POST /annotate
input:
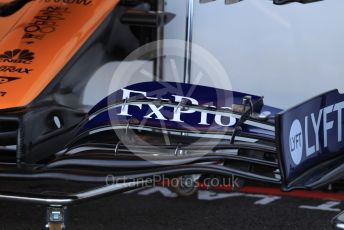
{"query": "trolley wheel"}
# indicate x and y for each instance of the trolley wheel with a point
(56, 217)
(56, 226)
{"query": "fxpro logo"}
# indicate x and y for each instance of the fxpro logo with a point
(314, 134)
(157, 112)
(17, 56)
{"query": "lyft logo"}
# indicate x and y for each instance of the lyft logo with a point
(296, 142)
(314, 136)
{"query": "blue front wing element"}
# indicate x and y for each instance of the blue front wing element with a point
(106, 113)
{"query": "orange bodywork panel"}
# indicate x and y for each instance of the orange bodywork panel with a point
(38, 41)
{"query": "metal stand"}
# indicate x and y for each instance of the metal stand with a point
(159, 62)
(188, 41)
(56, 217)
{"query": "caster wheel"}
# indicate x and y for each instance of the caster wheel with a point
(56, 226)
(56, 218)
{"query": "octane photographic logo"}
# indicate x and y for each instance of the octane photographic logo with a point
(206, 70)
(17, 56)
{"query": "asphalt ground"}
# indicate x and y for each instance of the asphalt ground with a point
(159, 208)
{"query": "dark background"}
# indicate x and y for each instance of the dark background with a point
(133, 211)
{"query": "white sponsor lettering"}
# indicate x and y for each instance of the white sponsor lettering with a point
(327, 125)
(323, 120)
(338, 108)
(126, 95)
(231, 122)
(179, 112)
(156, 112)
